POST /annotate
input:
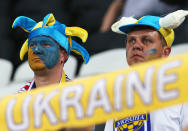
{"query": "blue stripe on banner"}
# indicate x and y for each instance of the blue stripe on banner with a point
(113, 125)
(33, 86)
(148, 123)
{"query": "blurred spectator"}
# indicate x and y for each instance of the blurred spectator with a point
(135, 8)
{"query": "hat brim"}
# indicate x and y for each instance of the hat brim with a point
(127, 28)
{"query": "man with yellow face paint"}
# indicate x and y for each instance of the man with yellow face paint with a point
(48, 45)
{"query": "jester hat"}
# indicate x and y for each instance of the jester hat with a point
(164, 25)
(54, 29)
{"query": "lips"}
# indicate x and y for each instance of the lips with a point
(36, 59)
(137, 56)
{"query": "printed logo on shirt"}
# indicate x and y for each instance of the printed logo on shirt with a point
(134, 123)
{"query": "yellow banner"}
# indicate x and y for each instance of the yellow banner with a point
(93, 100)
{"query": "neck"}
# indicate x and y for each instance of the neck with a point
(46, 77)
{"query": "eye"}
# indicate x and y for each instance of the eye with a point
(147, 41)
(32, 45)
(45, 45)
(131, 41)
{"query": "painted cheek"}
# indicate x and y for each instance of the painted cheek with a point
(152, 54)
(30, 55)
(51, 56)
(33, 63)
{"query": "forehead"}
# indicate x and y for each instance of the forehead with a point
(144, 32)
(42, 39)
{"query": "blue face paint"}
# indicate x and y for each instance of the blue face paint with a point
(152, 54)
(46, 49)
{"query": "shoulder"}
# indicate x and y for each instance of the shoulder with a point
(67, 78)
(26, 87)
(167, 118)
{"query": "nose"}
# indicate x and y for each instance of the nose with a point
(138, 45)
(37, 50)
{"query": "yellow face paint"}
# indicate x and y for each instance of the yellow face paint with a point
(34, 61)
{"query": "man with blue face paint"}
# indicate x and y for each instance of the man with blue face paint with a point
(48, 45)
(147, 39)
(45, 49)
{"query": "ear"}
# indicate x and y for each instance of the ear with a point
(166, 51)
(63, 56)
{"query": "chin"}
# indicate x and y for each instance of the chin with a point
(37, 67)
(136, 62)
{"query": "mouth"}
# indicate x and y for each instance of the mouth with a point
(137, 56)
(36, 59)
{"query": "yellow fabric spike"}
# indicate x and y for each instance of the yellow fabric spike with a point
(38, 25)
(77, 31)
(24, 49)
(51, 20)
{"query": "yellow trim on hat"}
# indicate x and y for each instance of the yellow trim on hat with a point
(50, 21)
(70, 41)
(38, 25)
(24, 48)
(168, 35)
(77, 52)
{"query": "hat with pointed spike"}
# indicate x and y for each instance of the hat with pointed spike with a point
(54, 29)
(164, 25)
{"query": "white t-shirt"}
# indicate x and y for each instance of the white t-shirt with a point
(140, 8)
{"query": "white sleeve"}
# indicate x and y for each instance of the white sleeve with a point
(167, 119)
(109, 125)
(184, 115)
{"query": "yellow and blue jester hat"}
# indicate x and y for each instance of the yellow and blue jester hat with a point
(164, 25)
(54, 29)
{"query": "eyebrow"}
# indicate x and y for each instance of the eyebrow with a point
(135, 36)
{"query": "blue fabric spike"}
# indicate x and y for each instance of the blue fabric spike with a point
(81, 50)
(45, 20)
(60, 27)
(24, 22)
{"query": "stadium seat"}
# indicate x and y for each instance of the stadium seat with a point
(106, 61)
(179, 49)
(11, 88)
(6, 68)
(70, 67)
(23, 73)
